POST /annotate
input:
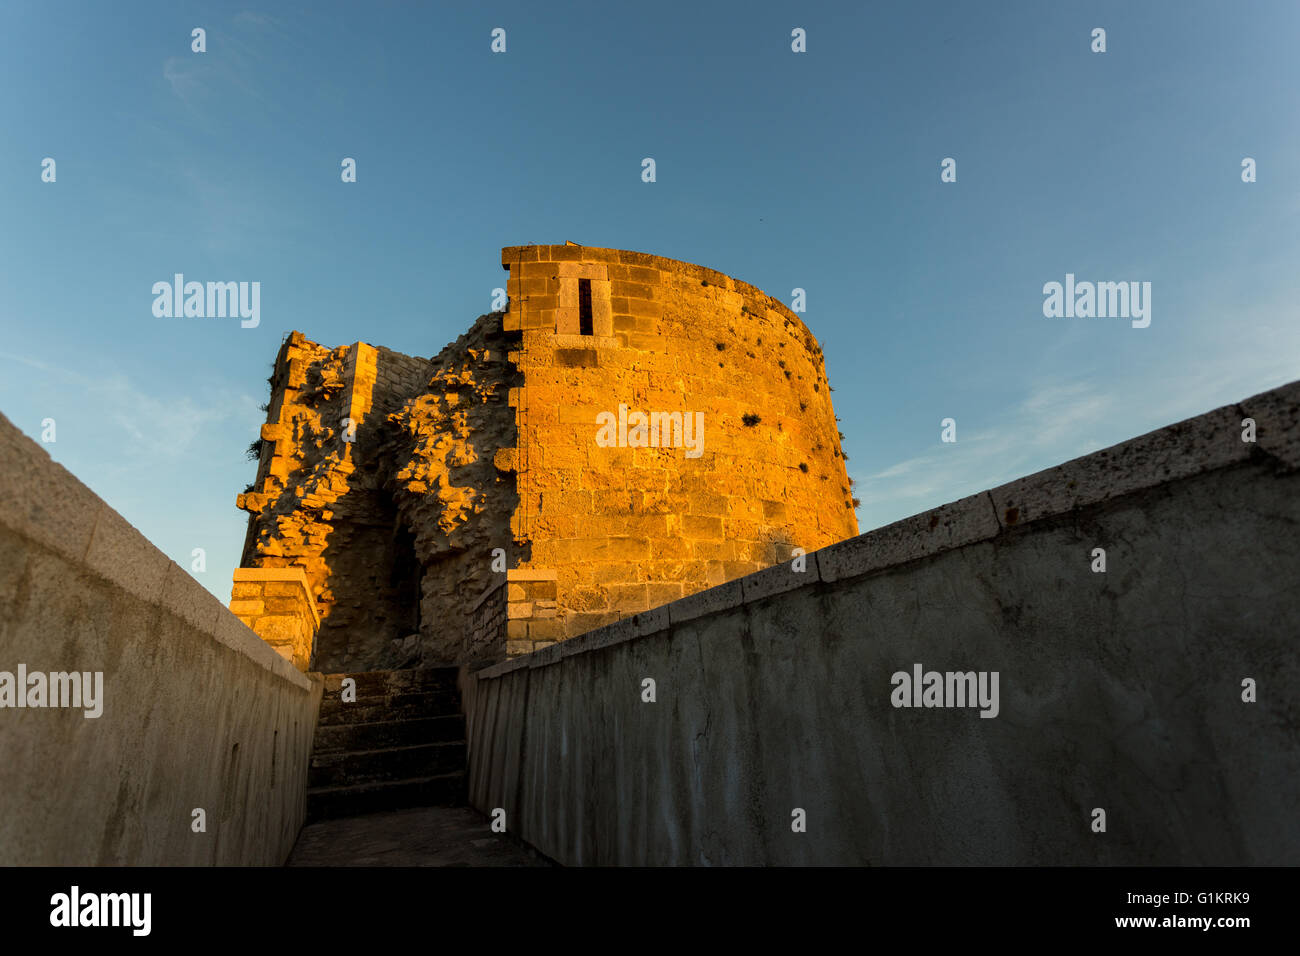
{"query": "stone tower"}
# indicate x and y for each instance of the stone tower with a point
(632, 429)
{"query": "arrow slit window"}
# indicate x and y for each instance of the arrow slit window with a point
(584, 307)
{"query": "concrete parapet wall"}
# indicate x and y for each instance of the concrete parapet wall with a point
(1121, 691)
(197, 712)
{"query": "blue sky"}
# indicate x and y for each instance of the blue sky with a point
(817, 170)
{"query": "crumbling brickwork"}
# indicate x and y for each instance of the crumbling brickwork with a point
(631, 430)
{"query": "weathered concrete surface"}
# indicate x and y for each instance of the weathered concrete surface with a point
(198, 712)
(1119, 690)
(428, 836)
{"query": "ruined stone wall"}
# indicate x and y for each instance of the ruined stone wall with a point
(630, 528)
(449, 489)
(493, 444)
(319, 503)
(376, 478)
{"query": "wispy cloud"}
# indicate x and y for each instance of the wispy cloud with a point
(1045, 424)
(253, 19)
(1236, 351)
(229, 65)
(148, 427)
(187, 77)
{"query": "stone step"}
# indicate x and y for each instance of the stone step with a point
(388, 763)
(339, 738)
(386, 683)
(401, 743)
(440, 790)
(397, 707)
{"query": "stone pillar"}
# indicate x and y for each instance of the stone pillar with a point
(278, 604)
(532, 621)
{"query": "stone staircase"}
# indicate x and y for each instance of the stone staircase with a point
(400, 744)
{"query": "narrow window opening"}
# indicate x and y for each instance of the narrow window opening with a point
(584, 307)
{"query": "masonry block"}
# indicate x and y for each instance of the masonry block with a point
(283, 615)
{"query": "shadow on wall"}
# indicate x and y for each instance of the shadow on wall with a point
(379, 478)
(373, 618)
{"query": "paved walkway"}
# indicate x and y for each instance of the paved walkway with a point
(428, 836)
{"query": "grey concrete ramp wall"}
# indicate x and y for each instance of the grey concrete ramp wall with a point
(1119, 691)
(197, 712)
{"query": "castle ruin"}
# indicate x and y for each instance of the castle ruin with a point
(629, 431)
